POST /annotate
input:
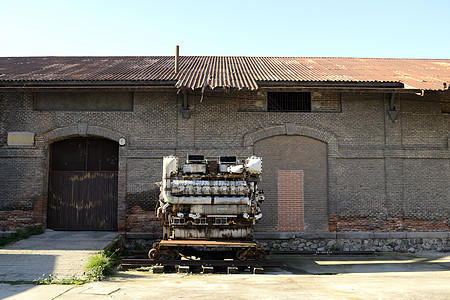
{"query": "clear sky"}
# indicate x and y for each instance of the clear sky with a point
(384, 28)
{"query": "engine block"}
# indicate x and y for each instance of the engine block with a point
(210, 199)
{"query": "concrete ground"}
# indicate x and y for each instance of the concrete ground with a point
(306, 277)
(61, 253)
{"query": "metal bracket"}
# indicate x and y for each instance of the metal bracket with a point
(185, 110)
(392, 112)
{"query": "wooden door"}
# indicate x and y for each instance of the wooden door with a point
(83, 185)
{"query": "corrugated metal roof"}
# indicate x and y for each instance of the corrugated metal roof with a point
(238, 72)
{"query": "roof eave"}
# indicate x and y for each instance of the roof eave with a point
(339, 86)
(332, 84)
(48, 85)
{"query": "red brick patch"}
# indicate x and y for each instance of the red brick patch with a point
(19, 219)
(290, 200)
(140, 220)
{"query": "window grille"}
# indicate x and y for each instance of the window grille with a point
(289, 101)
(84, 154)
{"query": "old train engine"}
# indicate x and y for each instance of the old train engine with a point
(210, 199)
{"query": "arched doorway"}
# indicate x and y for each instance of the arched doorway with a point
(294, 183)
(83, 183)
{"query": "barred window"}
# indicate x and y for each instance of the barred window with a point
(289, 101)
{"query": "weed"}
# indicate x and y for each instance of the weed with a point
(101, 265)
(50, 279)
(45, 279)
(72, 281)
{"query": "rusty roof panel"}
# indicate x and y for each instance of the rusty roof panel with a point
(238, 72)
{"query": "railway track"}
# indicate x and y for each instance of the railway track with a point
(205, 266)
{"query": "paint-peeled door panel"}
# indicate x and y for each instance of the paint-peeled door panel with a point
(83, 200)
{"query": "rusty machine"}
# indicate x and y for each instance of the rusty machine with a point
(209, 204)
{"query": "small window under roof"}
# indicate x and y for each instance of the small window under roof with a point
(289, 101)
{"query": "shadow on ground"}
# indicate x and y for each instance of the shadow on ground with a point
(327, 265)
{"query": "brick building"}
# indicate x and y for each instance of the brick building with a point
(347, 144)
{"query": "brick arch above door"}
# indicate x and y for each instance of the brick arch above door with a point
(292, 129)
(79, 129)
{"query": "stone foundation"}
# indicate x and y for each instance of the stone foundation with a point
(357, 241)
(330, 242)
(140, 241)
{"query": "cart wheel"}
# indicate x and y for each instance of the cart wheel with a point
(242, 254)
(173, 254)
(154, 254)
(260, 255)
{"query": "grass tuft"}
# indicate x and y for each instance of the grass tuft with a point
(101, 265)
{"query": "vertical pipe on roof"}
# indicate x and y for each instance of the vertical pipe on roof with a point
(177, 51)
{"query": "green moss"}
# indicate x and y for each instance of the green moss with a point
(21, 234)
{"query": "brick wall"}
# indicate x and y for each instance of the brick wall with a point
(445, 103)
(326, 102)
(361, 170)
(284, 153)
